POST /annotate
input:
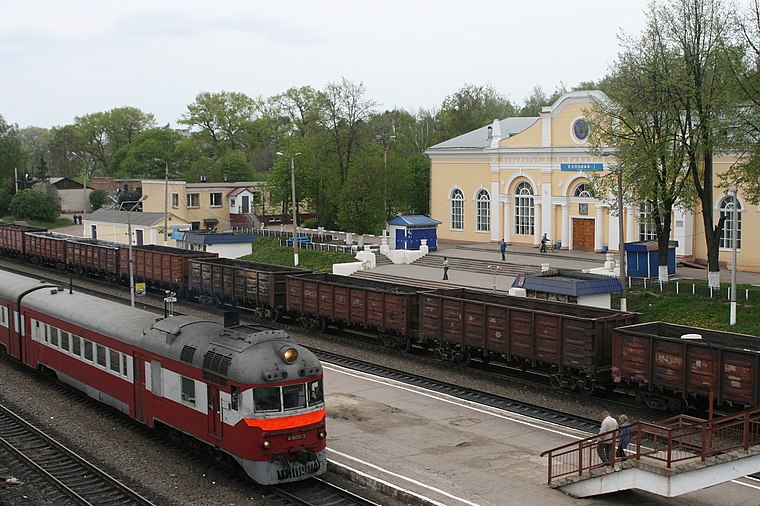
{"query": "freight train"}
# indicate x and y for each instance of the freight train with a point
(246, 390)
(578, 347)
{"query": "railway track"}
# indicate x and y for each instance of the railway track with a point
(316, 492)
(78, 480)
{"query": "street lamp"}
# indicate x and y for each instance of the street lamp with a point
(384, 139)
(698, 337)
(129, 236)
(293, 203)
(84, 179)
(734, 242)
(621, 233)
(166, 199)
(494, 269)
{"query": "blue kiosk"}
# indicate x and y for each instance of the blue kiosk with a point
(642, 259)
(407, 232)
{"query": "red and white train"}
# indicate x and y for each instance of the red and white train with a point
(247, 390)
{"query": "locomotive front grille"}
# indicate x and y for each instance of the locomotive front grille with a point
(298, 470)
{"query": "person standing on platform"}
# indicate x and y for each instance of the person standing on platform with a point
(503, 249)
(604, 448)
(626, 434)
(445, 268)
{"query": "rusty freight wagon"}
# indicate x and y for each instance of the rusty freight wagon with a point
(93, 257)
(46, 248)
(672, 366)
(12, 240)
(250, 284)
(389, 309)
(572, 343)
(161, 267)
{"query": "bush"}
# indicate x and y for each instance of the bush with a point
(98, 198)
(31, 204)
(310, 223)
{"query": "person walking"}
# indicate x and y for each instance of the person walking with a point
(503, 249)
(604, 448)
(626, 434)
(445, 268)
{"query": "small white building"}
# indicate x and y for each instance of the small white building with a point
(226, 245)
(112, 225)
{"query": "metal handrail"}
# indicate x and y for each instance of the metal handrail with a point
(669, 441)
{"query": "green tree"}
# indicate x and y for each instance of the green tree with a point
(472, 107)
(11, 150)
(232, 166)
(141, 157)
(98, 199)
(360, 208)
(31, 204)
(641, 125)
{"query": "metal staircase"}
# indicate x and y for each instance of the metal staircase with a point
(669, 458)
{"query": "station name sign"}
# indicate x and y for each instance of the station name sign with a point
(581, 166)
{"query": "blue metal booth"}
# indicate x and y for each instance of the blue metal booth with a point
(642, 260)
(407, 232)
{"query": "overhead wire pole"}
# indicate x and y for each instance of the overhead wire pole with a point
(129, 238)
(84, 179)
(166, 199)
(734, 245)
(294, 206)
(621, 240)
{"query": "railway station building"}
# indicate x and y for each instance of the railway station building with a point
(521, 178)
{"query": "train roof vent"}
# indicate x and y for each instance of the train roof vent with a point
(216, 362)
(188, 352)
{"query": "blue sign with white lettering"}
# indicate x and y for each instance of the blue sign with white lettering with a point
(581, 166)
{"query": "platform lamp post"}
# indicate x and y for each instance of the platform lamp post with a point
(710, 409)
(166, 199)
(135, 203)
(494, 269)
(293, 204)
(621, 233)
(734, 244)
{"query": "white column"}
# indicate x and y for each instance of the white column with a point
(536, 222)
(630, 231)
(495, 218)
(565, 226)
(614, 233)
(599, 228)
(507, 223)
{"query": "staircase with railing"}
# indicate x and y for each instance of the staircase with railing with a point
(671, 457)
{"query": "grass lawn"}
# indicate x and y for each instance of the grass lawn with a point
(268, 251)
(698, 310)
(59, 222)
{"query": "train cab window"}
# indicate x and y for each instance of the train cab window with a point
(76, 345)
(316, 394)
(53, 333)
(65, 341)
(115, 357)
(266, 399)
(100, 353)
(294, 396)
(87, 350)
(235, 398)
(188, 390)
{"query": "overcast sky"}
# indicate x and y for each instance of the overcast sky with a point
(61, 59)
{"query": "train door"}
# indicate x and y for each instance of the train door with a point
(138, 376)
(214, 412)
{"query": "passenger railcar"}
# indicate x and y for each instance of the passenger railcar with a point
(246, 390)
(670, 367)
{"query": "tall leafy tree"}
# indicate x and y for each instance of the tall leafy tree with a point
(641, 124)
(12, 154)
(361, 207)
(472, 107)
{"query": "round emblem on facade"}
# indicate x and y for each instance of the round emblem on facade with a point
(580, 129)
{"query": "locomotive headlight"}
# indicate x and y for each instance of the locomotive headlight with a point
(266, 443)
(289, 355)
(322, 434)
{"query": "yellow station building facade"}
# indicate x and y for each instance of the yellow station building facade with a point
(519, 178)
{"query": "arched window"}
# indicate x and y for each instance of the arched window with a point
(646, 227)
(727, 210)
(483, 218)
(524, 211)
(457, 209)
(582, 190)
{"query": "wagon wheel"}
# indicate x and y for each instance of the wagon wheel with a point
(555, 380)
(60, 266)
(437, 354)
(274, 315)
(404, 344)
(385, 340)
(306, 322)
(586, 387)
(322, 324)
(78, 270)
(36, 260)
(463, 359)
(678, 405)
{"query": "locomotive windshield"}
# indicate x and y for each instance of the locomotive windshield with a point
(290, 397)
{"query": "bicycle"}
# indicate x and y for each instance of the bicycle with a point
(552, 246)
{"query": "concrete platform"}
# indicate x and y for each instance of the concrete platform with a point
(433, 449)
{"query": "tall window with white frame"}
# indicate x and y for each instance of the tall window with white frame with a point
(646, 227)
(727, 210)
(524, 210)
(483, 215)
(457, 209)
